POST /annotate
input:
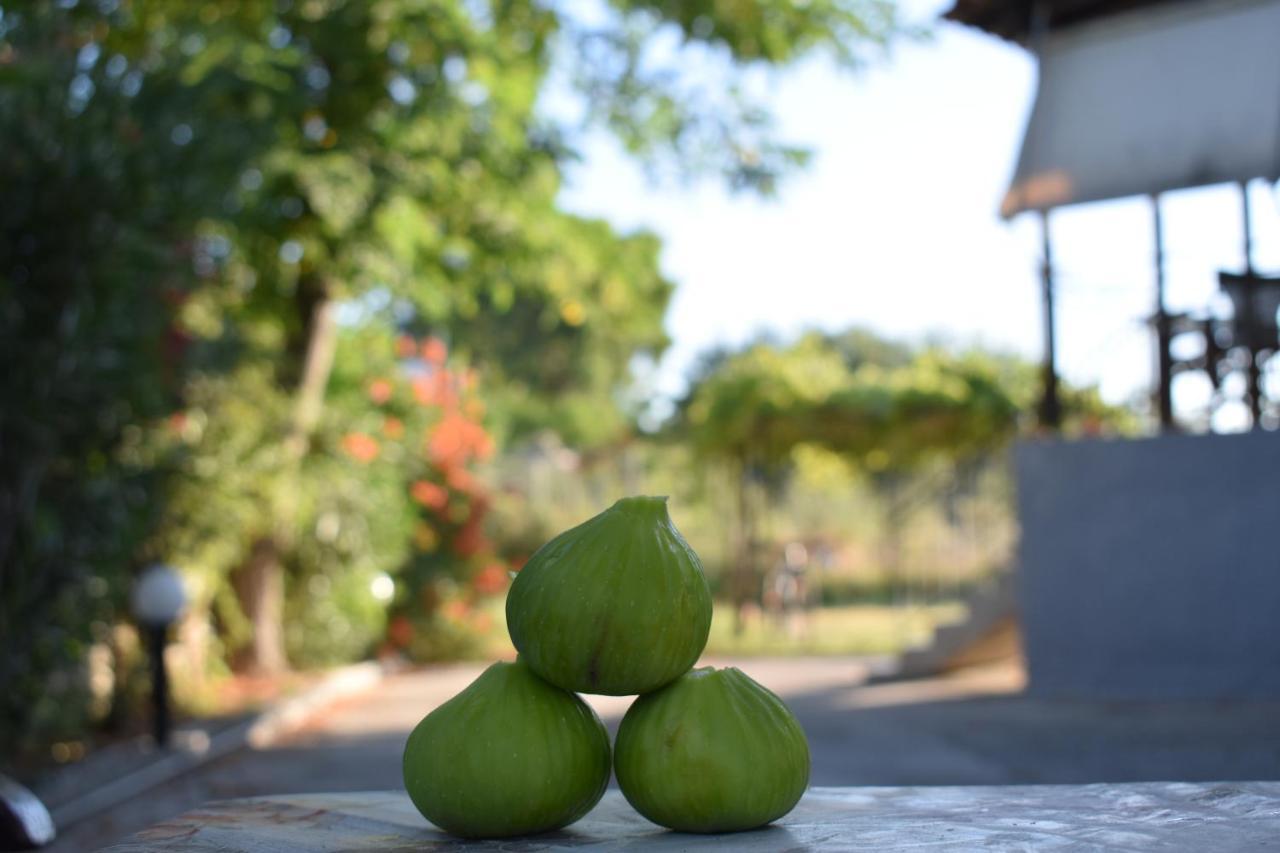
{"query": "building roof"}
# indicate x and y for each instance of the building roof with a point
(1012, 19)
(1152, 100)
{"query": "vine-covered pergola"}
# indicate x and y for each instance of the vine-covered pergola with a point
(758, 405)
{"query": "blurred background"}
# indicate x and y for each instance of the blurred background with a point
(957, 372)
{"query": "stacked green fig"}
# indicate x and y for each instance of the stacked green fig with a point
(618, 605)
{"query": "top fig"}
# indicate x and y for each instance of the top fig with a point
(617, 605)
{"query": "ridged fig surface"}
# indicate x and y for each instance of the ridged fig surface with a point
(617, 605)
(712, 752)
(509, 755)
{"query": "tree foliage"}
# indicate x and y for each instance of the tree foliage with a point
(223, 215)
(96, 243)
(862, 398)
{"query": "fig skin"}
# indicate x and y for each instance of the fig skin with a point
(509, 755)
(617, 605)
(712, 752)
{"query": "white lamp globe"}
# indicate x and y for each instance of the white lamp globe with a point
(159, 595)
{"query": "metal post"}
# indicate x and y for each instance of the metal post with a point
(1248, 228)
(1050, 406)
(1164, 361)
(1248, 323)
(156, 635)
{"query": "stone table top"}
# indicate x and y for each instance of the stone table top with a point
(1218, 816)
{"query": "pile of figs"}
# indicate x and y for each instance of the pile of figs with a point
(618, 605)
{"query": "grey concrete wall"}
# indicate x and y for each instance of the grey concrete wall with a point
(1151, 568)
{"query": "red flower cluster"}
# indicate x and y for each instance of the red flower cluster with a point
(491, 579)
(456, 610)
(429, 495)
(470, 540)
(434, 352)
(460, 479)
(361, 447)
(406, 346)
(436, 388)
(456, 440)
(380, 391)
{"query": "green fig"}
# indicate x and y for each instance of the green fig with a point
(509, 755)
(711, 752)
(617, 605)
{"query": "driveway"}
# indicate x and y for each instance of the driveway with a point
(972, 728)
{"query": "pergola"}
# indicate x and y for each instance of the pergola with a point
(1139, 97)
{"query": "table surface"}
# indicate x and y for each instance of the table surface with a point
(1215, 816)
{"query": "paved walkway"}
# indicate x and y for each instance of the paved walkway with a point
(973, 729)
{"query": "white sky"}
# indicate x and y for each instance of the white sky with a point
(894, 224)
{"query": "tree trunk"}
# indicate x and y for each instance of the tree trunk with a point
(320, 342)
(745, 587)
(889, 486)
(259, 582)
(259, 585)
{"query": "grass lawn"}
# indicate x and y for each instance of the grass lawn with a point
(839, 630)
(847, 629)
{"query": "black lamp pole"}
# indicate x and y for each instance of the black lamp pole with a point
(156, 637)
(159, 598)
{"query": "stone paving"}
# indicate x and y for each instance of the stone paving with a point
(974, 728)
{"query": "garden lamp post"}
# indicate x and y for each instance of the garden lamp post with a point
(159, 598)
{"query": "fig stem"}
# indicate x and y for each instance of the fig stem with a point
(643, 505)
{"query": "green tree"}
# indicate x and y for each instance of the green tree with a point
(411, 161)
(103, 193)
(591, 303)
(199, 191)
(874, 403)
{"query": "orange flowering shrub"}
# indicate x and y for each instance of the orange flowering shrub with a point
(380, 391)
(434, 352)
(491, 580)
(406, 346)
(361, 447)
(429, 494)
(429, 422)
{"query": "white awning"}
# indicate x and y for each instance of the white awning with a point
(1153, 100)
